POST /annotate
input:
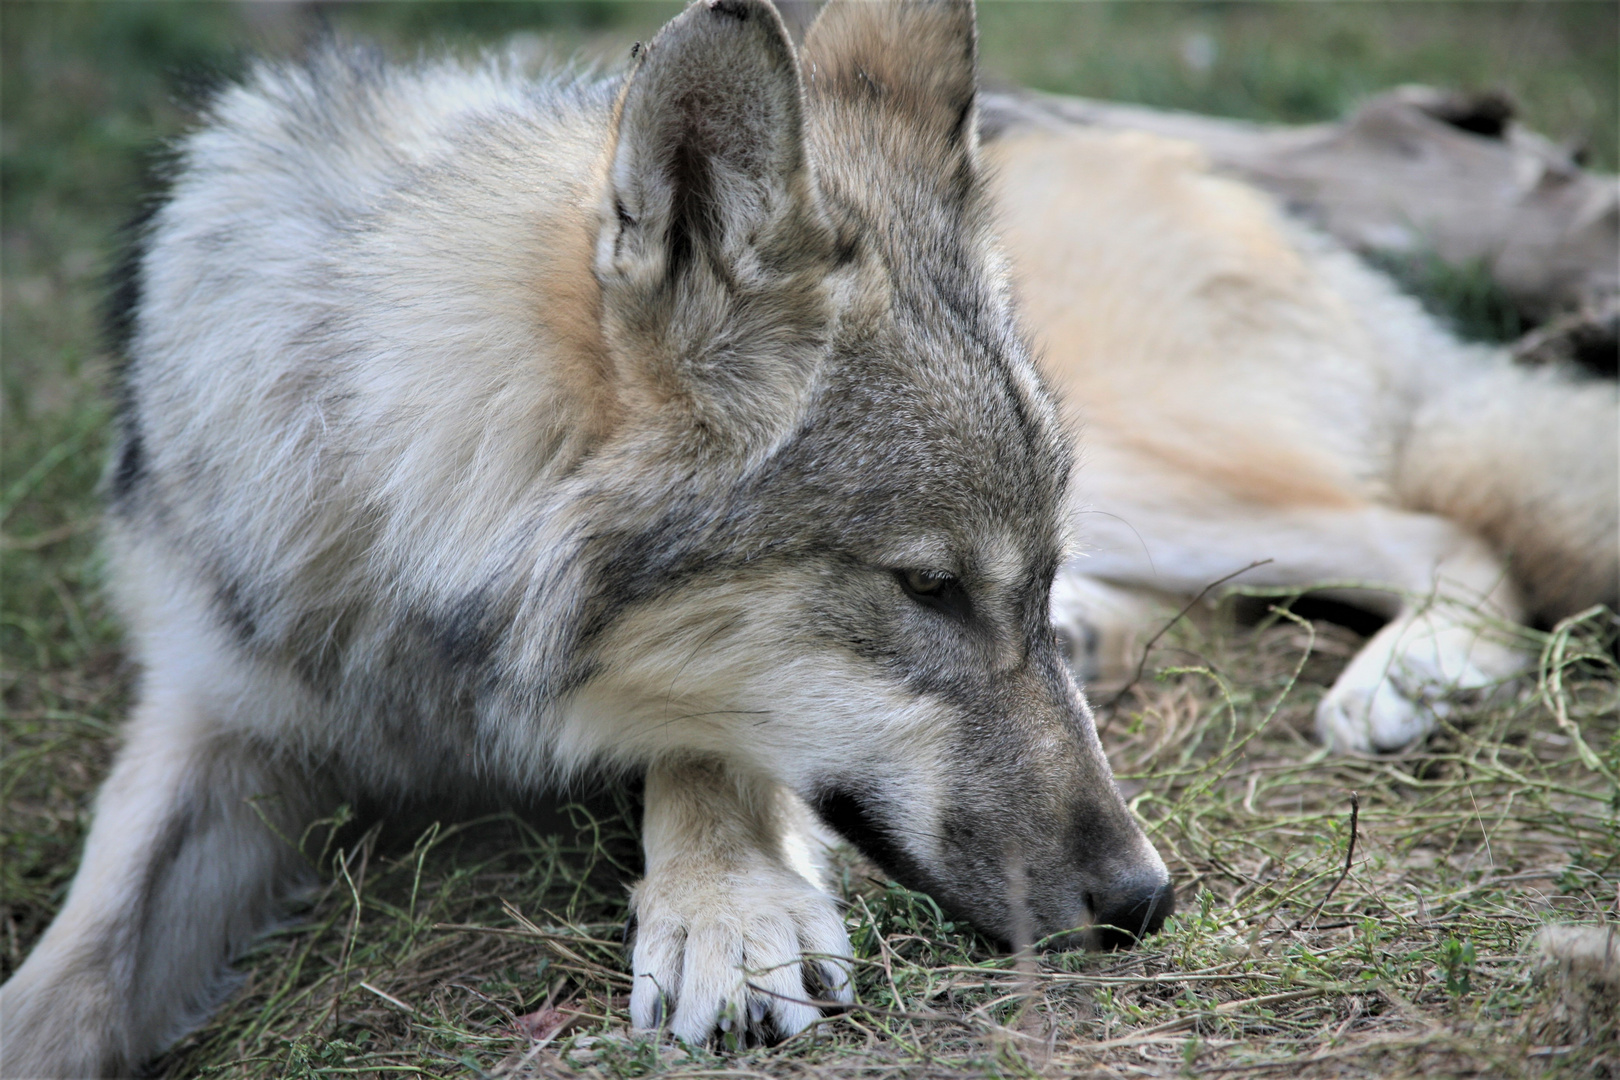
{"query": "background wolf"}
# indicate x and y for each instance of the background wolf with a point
(1250, 392)
(476, 432)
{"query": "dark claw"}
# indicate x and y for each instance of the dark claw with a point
(757, 1028)
(815, 984)
(819, 984)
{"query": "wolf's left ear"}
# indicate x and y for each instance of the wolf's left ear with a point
(918, 57)
(710, 149)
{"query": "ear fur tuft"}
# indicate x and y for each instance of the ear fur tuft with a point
(714, 253)
(917, 56)
(735, 8)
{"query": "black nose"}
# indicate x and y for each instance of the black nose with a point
(1126, 913)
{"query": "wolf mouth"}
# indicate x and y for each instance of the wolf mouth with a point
(848, 810)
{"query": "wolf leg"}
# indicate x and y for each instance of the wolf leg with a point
(1453, 639)
(1448, 594)
(1101, 628)
(182, 866)
(733, 934)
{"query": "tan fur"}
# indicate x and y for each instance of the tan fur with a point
(916, 61)
(1155, 289)
(572, 315)
(1577, 970)
(1246, 390)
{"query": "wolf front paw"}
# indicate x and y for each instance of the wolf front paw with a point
(1360, 719)
(735, 956)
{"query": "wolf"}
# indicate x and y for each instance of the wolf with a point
(1257, 401)
(480, 431)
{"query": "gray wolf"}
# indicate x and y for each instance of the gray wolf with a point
(479, 431)
(1248, 390)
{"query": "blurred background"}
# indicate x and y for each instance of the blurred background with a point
(88, 92)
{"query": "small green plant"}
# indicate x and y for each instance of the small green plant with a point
(310, 1057)
(1466, 297)
(1457, 957)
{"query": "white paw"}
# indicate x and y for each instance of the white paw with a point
(1406, 678)
(1359, 719)
(735, 956)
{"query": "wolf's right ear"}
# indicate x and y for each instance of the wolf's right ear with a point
(710, 151)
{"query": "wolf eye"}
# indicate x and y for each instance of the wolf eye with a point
(932, 589)
(924, 582)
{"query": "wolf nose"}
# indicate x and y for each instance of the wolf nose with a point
(1127, 912)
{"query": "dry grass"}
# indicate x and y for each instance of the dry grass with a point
(444, 949)
(448, 956)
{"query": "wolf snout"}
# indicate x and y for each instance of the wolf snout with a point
(1128, 911)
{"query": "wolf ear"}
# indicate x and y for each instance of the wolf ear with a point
(916, 56)
(710, 144)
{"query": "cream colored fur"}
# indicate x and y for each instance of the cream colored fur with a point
(732, 901)
(1246, 390)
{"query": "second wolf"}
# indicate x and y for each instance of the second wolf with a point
(1251, 393)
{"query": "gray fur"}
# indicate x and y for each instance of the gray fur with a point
(479, 431)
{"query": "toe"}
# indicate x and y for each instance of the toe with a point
(1395, 720)
(711, 996)
(657, 967)
(779, 1005)
(1356, 719)
(1341, 723)
(824, 944)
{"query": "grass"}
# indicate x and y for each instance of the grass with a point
(423, 959)
(434, 947)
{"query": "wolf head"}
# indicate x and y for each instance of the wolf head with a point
(838, 497)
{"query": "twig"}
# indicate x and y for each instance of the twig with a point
(531, 931)
(390, 998)
(1154, 640)
(1552, 688)
(48, 537)
(1227, 1008)
(1349, 855)
(355, 887)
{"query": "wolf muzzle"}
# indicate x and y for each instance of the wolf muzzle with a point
(1128, 911)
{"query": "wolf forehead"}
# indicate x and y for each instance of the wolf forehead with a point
(931, 432)
(918, 451)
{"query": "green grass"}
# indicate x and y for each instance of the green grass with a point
(420, 957)
(425, 941)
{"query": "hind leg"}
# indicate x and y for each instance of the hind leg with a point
(185, 861)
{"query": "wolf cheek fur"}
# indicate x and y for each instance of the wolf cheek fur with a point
(490, 431)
